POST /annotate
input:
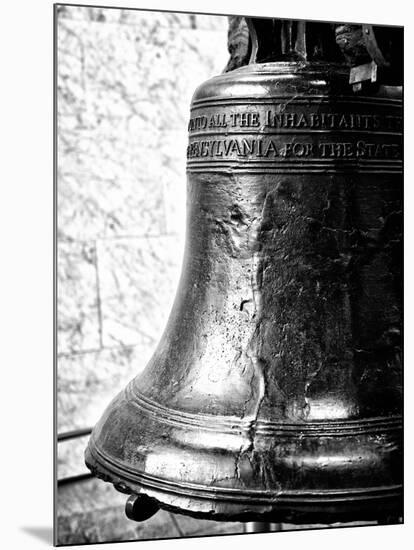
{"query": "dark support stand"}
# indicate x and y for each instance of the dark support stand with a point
(142, 507)
(262, 527)
(390, 520)
(265, 527)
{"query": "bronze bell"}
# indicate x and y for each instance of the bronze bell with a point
(275, 391)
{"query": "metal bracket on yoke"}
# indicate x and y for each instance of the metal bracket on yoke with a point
(363, 73)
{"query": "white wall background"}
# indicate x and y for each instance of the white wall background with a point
(124, 81)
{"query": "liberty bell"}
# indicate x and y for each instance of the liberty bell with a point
(275, 391)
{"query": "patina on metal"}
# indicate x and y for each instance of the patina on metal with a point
(275, 391)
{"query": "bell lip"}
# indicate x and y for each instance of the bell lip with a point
(230, 504)
(224, 84)
(255, 80)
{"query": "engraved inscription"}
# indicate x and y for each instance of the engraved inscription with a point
(278, 118)
(267, 147)
(253, 132)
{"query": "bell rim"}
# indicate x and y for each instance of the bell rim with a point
(198, 498)
(296, 506)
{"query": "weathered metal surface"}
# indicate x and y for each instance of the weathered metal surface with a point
(275, 391)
